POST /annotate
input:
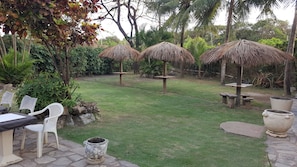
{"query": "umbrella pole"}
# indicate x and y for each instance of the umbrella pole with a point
(164, 76)
(121, 71)
(238, 85)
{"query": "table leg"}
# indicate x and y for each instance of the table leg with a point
(6, 149)
(164, 85)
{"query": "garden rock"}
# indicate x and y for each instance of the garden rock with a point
(83, 113)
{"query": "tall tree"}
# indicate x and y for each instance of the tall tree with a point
(290, 49)
(127, 11)
(181, 13)
(59, 25)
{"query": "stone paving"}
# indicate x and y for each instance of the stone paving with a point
(69, 154)
(282, 152)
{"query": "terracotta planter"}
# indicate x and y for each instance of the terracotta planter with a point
(277, 122)
(281, 103)
(95, 149)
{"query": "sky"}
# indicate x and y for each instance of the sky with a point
(282, 13)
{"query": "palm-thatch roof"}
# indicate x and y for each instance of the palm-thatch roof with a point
(246, 53)
(120, 52)
(167, 52)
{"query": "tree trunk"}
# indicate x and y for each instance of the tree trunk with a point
(182, 45)
(228, 27)
(288, 67)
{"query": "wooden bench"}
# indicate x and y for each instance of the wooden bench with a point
(247, 101)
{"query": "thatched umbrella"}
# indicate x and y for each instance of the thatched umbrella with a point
(245, 53)
(167, 52)
(120, 53)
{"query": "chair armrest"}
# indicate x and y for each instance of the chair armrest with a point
(37, 112)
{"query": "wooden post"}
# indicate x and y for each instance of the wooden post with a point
(164, 76)
(121, 70)
(238, 85)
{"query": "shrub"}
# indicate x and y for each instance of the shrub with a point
(150, 68)
(47, 87)
(15, 67)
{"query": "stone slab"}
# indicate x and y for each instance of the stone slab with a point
(242, 128)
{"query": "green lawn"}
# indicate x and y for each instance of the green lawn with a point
(176, 129)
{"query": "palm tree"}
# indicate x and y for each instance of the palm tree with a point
(181, 11)
(290, 49)
(203, 11)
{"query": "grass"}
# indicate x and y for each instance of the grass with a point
(176, 129)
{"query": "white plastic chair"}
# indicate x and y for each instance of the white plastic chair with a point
(49, 125)
(7, 99)
(28, 103)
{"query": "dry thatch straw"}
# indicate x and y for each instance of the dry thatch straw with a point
(120, 52)
(167, 52)
(246, 53)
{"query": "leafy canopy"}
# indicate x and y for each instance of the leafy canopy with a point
(56, 22)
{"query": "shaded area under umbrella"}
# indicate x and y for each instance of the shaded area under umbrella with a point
(167, 52)
(120, 53)
(245, 53)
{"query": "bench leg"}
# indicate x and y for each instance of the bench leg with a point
(224, 99)
(243, 102)
(231, 102)
(247, 103)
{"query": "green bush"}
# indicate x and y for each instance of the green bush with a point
(150, 68)
(15, 67)
(47, 87)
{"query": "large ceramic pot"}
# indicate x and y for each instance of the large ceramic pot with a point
(277, 122)
(281, 103)
(95, 149)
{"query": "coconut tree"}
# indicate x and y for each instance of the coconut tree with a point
(181, 12)
(290, 50)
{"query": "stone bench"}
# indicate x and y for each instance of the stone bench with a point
(229, 99)
(247, 101)
(224, 97)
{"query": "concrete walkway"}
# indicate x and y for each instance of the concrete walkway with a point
(282, 152)
(69, 154)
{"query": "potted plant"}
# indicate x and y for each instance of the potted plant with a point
(95, 149)
(281, 103)
(277, 122)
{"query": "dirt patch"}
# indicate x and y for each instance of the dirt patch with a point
(265, 98)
